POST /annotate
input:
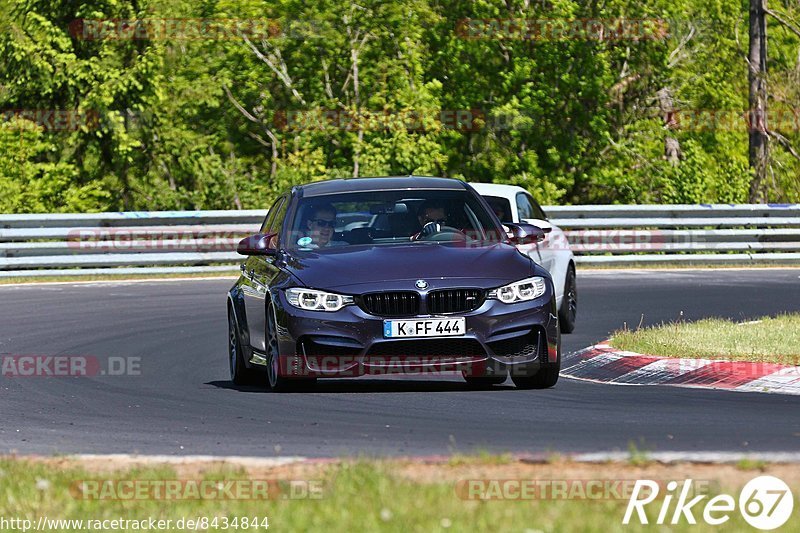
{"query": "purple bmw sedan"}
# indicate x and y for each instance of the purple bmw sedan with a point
(370, 276)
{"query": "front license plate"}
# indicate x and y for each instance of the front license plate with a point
(429, 327)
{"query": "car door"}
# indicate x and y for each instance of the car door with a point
(258, 271)
(525, 214)
(535, 215)
(554, 249)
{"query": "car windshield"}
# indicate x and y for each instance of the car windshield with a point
(392, 218)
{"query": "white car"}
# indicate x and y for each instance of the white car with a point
(514, 204)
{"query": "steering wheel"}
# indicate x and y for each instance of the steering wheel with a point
(433, 231)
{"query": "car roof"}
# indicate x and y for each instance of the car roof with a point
(497, 189)
(321, 188)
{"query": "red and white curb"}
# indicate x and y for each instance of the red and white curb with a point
(605, 364)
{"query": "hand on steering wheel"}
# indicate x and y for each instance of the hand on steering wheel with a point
(431, 229)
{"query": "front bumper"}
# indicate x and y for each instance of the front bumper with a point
(350, 342)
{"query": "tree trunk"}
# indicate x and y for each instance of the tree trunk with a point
(354, 51)
(672, 147)
(759, 150)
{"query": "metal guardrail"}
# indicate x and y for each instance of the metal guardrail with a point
(681, 234)
(204, 241)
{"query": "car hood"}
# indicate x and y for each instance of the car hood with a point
(373, 268)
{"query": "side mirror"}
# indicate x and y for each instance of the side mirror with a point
(258, 244)
(523, 233)
(543, 225)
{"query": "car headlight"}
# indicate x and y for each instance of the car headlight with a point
(519, 291)
(314, 300)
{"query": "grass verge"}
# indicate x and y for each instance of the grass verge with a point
(768, 340)
(367, 496)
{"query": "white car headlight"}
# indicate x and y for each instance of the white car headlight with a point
(314, 300)
(519, 291)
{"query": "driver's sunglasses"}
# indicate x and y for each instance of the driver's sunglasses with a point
(441, 221)
(321, 222)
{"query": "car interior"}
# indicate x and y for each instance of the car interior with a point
(391, 222)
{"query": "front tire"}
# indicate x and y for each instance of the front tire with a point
(569, 303)
(240, 374)
(276, 382)
(484, 382)
(545, 378)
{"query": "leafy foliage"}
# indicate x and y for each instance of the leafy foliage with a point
(306, 91)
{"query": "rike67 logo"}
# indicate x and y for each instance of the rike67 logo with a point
(765, 502)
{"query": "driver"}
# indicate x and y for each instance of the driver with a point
(431, 216)
(431, 211)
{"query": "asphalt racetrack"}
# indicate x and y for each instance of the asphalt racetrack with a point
(176, 399)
